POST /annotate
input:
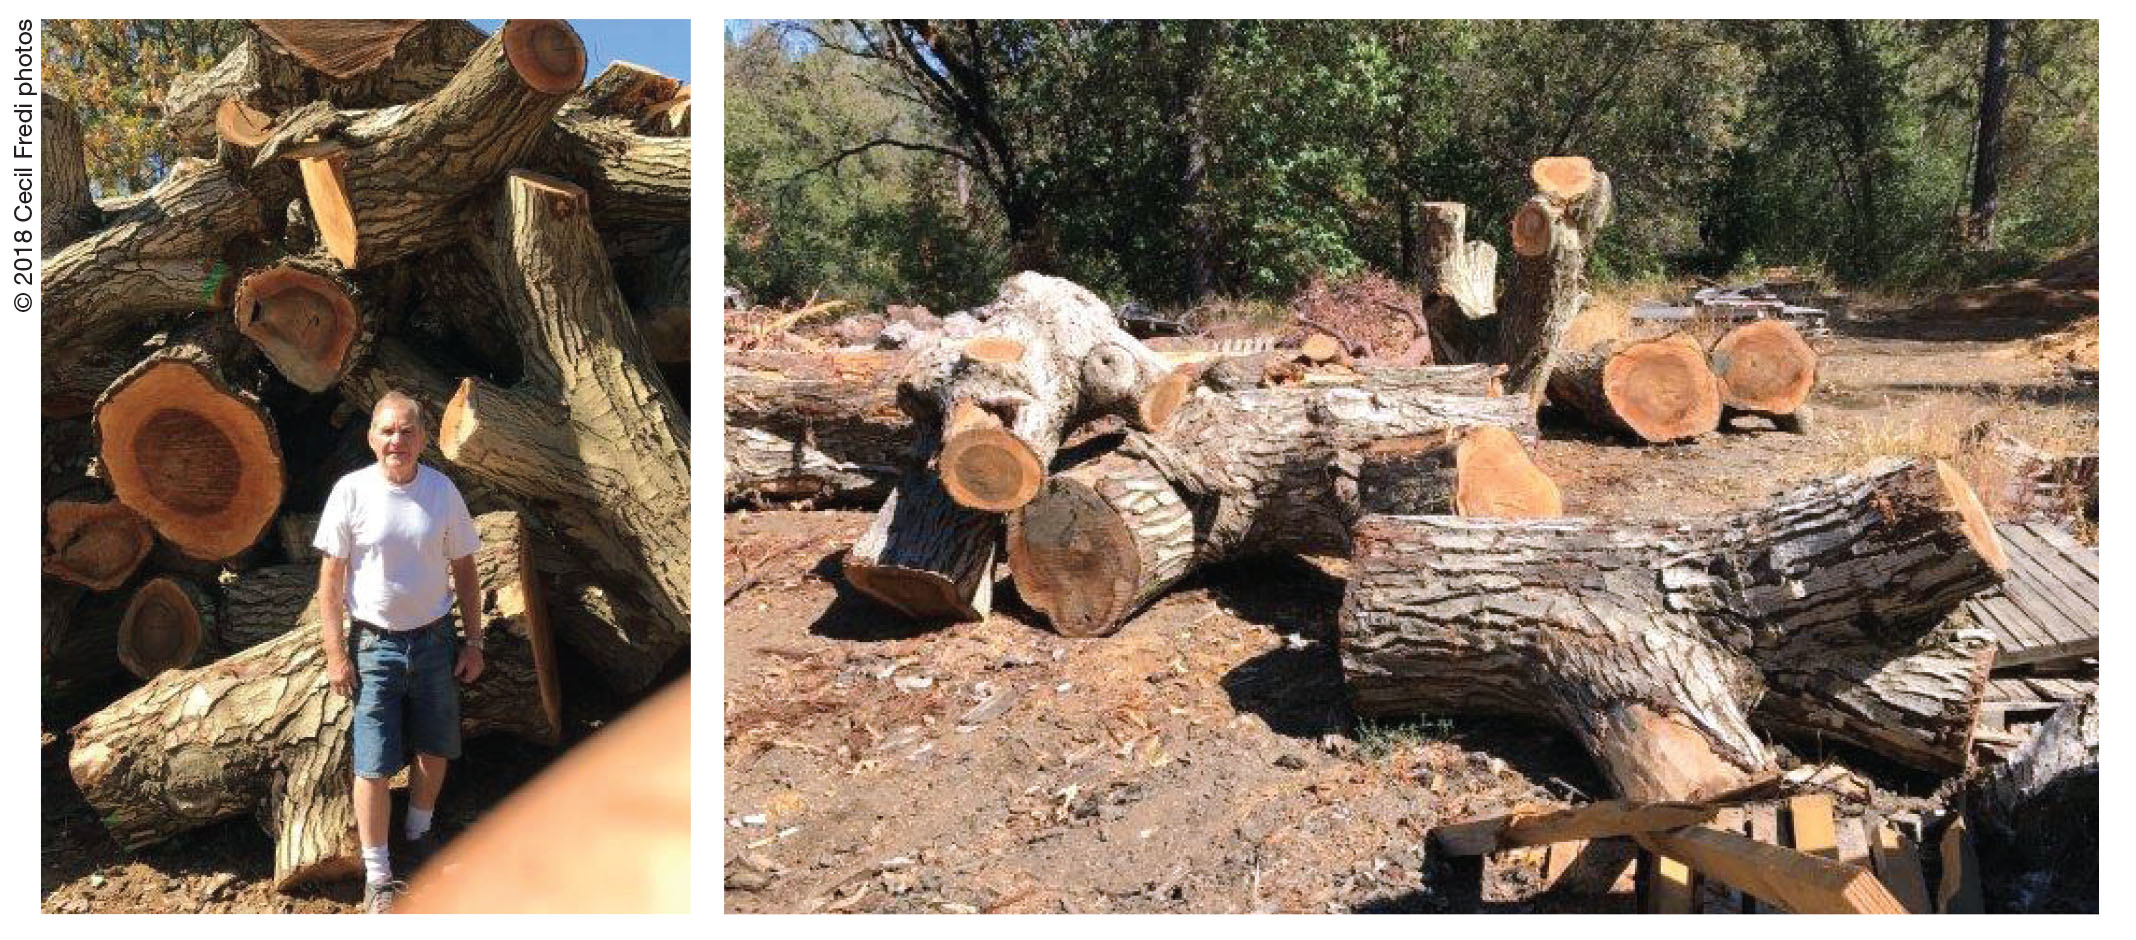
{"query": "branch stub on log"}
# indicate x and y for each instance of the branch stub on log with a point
(242, 125)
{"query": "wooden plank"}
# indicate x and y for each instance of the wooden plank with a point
(1764, 826)
(1559, 860)
(1959, 892)
(1852, 841)
(2068, 598)
(2054, 563)
(1597, 867)
(1805, 884)
(1716, 896)
(2063, 617)
(1898, 866)
(1593, 821)
(1669, 889)
(2013, 629)
(2083, 556)
(1811, 823)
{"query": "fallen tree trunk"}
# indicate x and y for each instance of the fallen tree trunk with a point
(1652, 642)
(843, 404)
(1107, 537)
(389, 185)
(1050, 358)
(1765, 368)
(95, 544)
(262, 730)
(764, 468)
(925, 556)
(590, 436)
(1658, 390)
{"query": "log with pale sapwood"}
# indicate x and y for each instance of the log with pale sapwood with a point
(1656, 391)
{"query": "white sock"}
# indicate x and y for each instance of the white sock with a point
(418, 822)
(377, 868)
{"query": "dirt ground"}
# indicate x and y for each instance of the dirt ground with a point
(1203, 758)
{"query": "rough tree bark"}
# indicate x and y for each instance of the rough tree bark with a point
(1656, 390)
(1553, 233)
(590, 436)
(925, 556)
(1652, 642)
(1457, 283)
(1050, 358)
(69, 212)
(1911, 700)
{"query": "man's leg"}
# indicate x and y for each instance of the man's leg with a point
(426, 779)
(433, 723)
(374, 812)
(378, 749)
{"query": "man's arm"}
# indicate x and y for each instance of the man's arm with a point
(333, 622)
(469, 587)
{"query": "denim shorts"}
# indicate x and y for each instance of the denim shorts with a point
(405, 697)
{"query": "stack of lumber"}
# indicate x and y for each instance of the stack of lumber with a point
(364, 207)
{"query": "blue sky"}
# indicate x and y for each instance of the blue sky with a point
(660, 45)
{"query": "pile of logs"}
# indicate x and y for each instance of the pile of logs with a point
(363, 207)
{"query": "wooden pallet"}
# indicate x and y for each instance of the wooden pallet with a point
(2046, 612)
(1807, 825)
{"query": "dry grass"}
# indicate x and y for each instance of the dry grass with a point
(1953, 427)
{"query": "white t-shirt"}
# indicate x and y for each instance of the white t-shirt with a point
(400, 541)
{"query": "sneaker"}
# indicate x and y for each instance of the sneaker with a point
(414, 852)
(378, 898)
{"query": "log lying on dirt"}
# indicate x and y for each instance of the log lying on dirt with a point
(95, 544)
(764, 468)
(1281, 367)
(1483, 472)
(1914, 701)
(1657, 390)
(1051, 357)
(196, 459)
(1652, 642)
(821, 427)
(303, 315)
(926, 556)
(1107, 537)
(590, 434)
(69, 211)
(389, 185)
(1765, 368)
(166, 626)
(1553, 234)
(262, 730)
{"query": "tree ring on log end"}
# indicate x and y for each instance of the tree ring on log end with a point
(1973, 517)
(1073, 559)
(304, 322)
(1765, 366)
(1165, 397)
(326, 191)
(990, 469)
(1565, 178)
(547, 54)
(1534, 228)
(198, 462)
(997, 349)
(161, 629)
(1495, 479)
(96, 545)
(914, 593)
(1663, 389)
(244, 126)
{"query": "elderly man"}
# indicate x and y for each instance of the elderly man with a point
(390, 533)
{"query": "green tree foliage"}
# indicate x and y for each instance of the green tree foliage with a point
(116, 72)
(1171, 160)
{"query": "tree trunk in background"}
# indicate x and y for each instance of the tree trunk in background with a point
(1987, 150)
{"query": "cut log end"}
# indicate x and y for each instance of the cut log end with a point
(994, 349)
(96, 545)
(1534, 228)
(921, 595)
(1164, 398)
(459, 422)
(547, 54)
(1765, 367)
(1664, 390)
(304, 322)
(326, 191)
(1073, 559)
(242, 125)
(161, 630)
(200, 463)
(1320, 347)
(983, 465)
(1974, 518)
(1653, 755)
(1565, 178)
(1495, 479)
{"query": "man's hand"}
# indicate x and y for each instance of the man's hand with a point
(341, 674)
(470, 665)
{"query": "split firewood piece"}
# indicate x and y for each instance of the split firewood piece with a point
(165, 254)
(1912, 700)
(1765, 368)
(926, 556)
(1959, 891)
(1050, 358)
(389, 184)
(1458, 284)
(69, 211)
(195, 458)
(1803, 884)
(304, 315)
(1105, 538)
(590, 433)
(1652, 641)
(1609, 818)
(1658, 390)
(95, 544)
(1553, 236)
(262, 729)
(167, 626)
(281, 64)
(1480, 473)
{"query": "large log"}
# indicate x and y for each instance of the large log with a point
(95, 544)
(281, 64)
(308, 318)
(69, 211)
(925, 556)
(632, 179)
(391, 184)
(1652, 642)
(765, 468)
(1656, 390)
(1553, 235)
(1915, 701)
(167, 625)
(195, 458)
(1107, 537)
(1051, 357)
(261, 730)
(2036, 819)
(1765, 368)
(590, 436)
